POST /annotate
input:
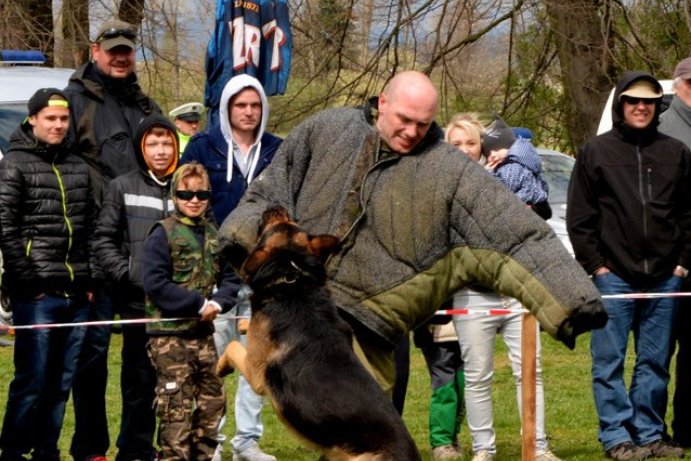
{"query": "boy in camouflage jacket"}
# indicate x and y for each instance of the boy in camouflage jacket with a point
(182, 266)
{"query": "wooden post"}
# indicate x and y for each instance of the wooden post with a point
(528, 374)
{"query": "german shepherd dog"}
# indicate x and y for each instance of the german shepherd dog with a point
(299, 352)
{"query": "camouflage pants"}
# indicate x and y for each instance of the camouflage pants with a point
(190, 399)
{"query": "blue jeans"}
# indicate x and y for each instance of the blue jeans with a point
(44, 364)
(89, 388)
(248, 405)
(636, 415)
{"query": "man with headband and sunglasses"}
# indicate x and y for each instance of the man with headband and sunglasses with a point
(107, 107)
(629, 220)
(47, 217)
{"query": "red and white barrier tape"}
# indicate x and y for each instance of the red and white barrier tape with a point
(481, 311)
(678, 294)
(464, 311)
(95, 323)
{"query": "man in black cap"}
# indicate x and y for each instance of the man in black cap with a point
(186, 118)
(108, 105)
(629, 220)
(47, 272)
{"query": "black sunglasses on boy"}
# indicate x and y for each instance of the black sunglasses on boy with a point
(189, 194)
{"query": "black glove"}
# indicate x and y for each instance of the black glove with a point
(590, 316)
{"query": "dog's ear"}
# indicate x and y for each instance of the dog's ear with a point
(252, 263)
(273, 215)
(322, 245)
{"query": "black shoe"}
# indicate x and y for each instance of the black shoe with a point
(665, 449)
(9, 457)
(40, 455)
(627, 451)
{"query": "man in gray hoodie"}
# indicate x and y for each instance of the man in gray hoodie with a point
(234, 153)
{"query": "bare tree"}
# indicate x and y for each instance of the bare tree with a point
(132, 11)
(28, 25)
(75, 33)
(582, 31)
(485, 55)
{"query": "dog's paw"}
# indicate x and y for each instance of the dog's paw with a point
(223, 367)
(242, 326)
(233, 357)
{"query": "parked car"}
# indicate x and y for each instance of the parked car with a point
(557, 169)
(18, 82)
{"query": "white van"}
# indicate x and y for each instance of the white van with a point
(606, 118)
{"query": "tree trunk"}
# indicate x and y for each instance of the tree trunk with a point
(586, 63)
(28, 25)
(132, 11)
(75, 32)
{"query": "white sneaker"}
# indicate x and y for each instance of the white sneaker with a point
(253, 453)
(483, 455)
(446, 453)
(546, 455)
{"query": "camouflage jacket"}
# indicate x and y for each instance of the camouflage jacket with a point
(196, 267)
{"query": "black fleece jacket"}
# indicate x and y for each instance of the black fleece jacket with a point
(628, 202)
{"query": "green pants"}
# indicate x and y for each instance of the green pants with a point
(446, 407)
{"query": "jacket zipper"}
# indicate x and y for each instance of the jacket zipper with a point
(70, 270)
(642, 188)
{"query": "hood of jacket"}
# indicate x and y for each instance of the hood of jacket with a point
(149, 122)
(626, 80)
(179, 215)
(233, 87)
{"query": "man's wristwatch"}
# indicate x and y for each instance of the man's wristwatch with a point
(681, 271)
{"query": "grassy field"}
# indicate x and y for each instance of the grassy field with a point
(570, 414)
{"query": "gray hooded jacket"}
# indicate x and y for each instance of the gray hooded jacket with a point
(414, 229)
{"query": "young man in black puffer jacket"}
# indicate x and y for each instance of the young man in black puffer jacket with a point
(46, 215)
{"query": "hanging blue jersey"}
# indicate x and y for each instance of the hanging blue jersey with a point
(251, 37)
